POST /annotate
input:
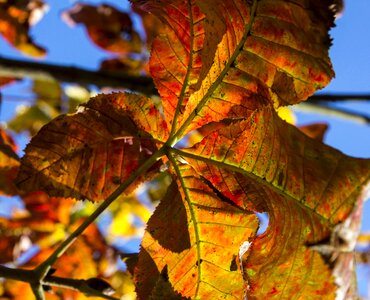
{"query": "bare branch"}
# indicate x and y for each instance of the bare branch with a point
(335, 112)
(339, 97)
(36, 70)
(24, 275)
(22, 69)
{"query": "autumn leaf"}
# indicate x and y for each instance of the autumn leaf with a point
(6, 80)
(286, 43)
(107, 27)
(88, 257)
(315, 131)
(101, 138)
(152, 25)
(9, 164)
(16, 17)
(127, 213)
(198, 246)
(32, 118)
(45, 212)
(305, 183)
(222, 68)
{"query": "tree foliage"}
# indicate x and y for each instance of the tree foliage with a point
(214, 145)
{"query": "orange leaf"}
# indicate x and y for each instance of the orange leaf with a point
(6, 80)
(88, 154)
(223, 59)
(222, 67)
(9, 164)
(152, 25)
(306, 187)
(196, 248)
(107, 27)
(15, 21)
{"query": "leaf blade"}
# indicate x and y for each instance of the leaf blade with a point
(257, 51)
(194, 268)
(102, 146)
(306, 187)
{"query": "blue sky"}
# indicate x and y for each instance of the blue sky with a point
(350, 54)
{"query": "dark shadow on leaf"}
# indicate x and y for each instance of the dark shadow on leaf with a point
(146, 275)
(171, 232)
(164, 290)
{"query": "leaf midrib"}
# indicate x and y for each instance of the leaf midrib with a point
(254, 177)
(192, 213)
(188, 71)
(176, 136)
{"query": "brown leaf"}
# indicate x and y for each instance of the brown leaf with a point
(16, 17)
(9, 164)
(106, 26)
(88, 154)
(315, 131)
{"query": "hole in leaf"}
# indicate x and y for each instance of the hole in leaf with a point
(264, 222)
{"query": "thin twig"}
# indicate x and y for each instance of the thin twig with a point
(80, 285)
(333, 97)
(38, 291)
(24, 275)
(42, 270)
(39, 275)
(335, 112)
(35, 70)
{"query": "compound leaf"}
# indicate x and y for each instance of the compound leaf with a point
(224, 59)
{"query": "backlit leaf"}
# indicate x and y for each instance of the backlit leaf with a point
(9, 164)
(222, 68)
(152, 25)
(238, 56)
(48, 90)
(106, 26)
(292, 177)
(32, 118)
(198, 246)
(16, 17)
(88, 154)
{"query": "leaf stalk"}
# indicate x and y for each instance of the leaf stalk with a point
(42, 270)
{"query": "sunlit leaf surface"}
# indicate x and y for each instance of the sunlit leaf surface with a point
(294, 178)
(198, 247)
(88, 154)
(222, 68)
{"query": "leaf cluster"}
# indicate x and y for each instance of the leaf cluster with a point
(222, 70)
